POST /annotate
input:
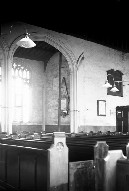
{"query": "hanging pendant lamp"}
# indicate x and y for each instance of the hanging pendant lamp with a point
(114, 89)
(107, 84)
(26, 42)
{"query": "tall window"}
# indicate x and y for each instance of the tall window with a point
(21, 93)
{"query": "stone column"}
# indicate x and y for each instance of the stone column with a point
(75, 111)
(79, 61)
(4, 94)
(6, 110)
(3, 102)
(73, 101)
(9, 96)
(44, 104)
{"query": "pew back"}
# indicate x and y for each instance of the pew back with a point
(23, 168)
(81, 176)
(105, 166)
(81, 147)
(29, 168)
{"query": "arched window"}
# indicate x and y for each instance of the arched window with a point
(21, 92)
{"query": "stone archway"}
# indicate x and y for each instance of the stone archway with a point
(63, 46)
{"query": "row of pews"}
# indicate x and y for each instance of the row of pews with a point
(81, 145)
(33, 161)
(27, 167)
(84, 144)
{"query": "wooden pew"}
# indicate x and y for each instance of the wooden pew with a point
(27, 168)
(81, 173)
(82, 176)
(105, 173)
(122, 171)
(105, 166)
(81, 146)
(77, 145)
(22, 168)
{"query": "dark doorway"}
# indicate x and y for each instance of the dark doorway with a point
(122, 119)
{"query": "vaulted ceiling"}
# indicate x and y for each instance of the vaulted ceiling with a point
(41, 52)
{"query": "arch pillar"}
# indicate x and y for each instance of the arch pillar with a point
(63, 46)
(9, 110)
(6, 97)
(73, 101)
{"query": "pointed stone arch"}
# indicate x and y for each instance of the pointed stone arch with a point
(62, 45)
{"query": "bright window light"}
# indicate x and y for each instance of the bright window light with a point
(21, 93)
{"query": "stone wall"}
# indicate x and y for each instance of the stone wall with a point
(52, 89)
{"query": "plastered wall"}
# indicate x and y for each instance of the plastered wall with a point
(91, 78)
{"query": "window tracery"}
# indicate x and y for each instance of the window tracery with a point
(21, 83)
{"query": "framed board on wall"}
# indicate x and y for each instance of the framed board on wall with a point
(101, 107)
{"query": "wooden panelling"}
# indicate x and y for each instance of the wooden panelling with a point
(23, 168)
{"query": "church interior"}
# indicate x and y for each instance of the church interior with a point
(64, 112)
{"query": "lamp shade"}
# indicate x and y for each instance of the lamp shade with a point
(107, 84)
(26, 42)
(114, 89)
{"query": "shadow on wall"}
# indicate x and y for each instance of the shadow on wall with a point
(54, 128)
(38, 128)
(29, 128)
